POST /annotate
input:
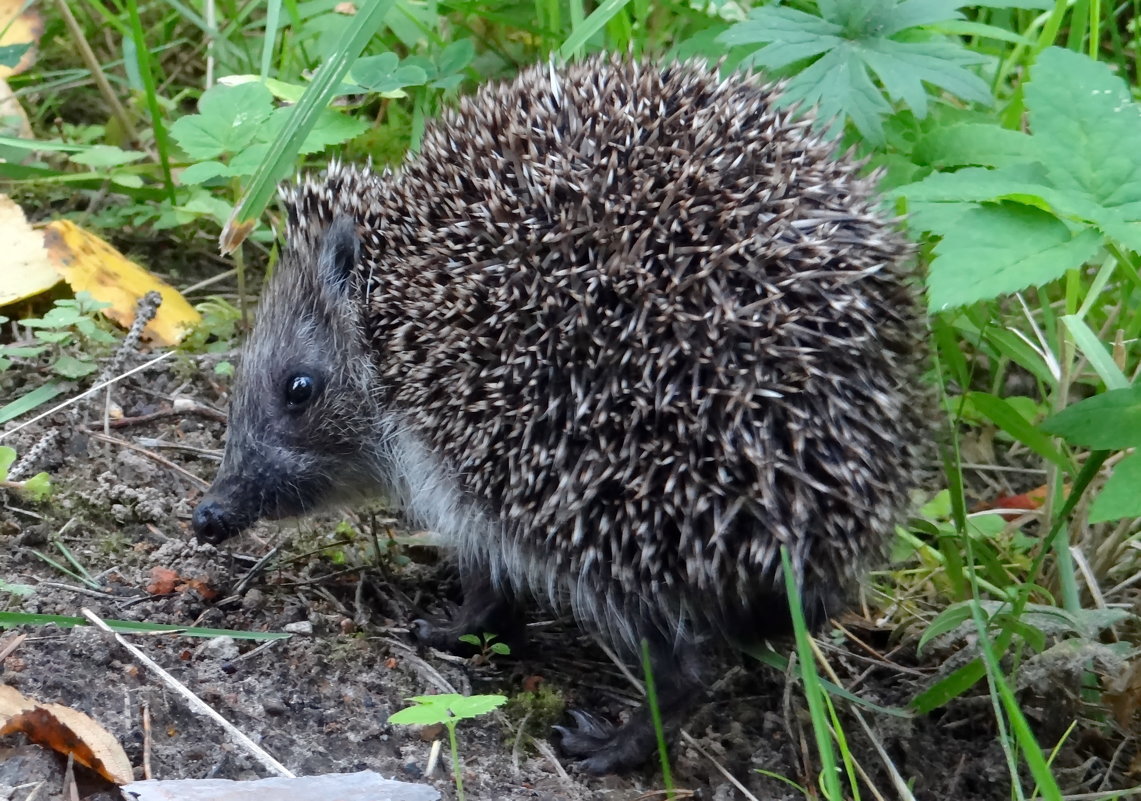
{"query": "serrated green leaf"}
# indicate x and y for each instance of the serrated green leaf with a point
(973, 144)
(1107, 421)
(1081, 113)
(789, 36)
(903, 68)
(848, 38)
(229, 118)
(838, 84)
(1000, 248)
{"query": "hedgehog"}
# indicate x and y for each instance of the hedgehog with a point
(619, 332)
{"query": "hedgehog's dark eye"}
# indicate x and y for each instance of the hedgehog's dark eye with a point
(299, 391)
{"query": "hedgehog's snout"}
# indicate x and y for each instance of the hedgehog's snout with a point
(213, 523)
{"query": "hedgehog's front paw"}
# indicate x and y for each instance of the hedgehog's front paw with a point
(444, 633)
(605, 748)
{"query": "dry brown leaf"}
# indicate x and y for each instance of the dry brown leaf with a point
(1123, 694)
(91, 265)
(19, 25)
(28, 270)
(67, 731)
(12, 702)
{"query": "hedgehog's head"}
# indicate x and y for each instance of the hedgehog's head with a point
(303, 427)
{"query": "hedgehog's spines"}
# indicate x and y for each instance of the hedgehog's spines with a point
(653, 326)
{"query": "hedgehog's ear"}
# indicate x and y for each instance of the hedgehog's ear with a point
(339, 250)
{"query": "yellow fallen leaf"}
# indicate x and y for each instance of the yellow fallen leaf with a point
(19, 25)
(91, 265)
(27, 269)
(67, 731)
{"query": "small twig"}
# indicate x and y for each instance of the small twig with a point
(196, 703)
(98, 437)
(427, 671)
(147, 773)
(720, 768)
(87, 392)
(544, 748)
(59, 585)
(254, 572)
(11, 646)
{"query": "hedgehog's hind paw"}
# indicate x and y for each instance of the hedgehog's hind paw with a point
(605, 748)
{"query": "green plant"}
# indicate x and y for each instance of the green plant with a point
(1110, 421)
(1039, 206)
(448, 709)
(852, 40)
(69, 333)
(487, 646)
(236, 124)
(217, 331)
(36, 488)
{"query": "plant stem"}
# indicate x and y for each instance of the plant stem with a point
(457, 774)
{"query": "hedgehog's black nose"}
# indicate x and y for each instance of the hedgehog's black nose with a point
(211, 522)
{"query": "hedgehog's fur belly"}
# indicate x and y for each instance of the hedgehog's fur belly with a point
(619, 331)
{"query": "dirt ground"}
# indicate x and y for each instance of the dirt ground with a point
(319, 701)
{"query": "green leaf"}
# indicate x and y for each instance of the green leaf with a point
(445, 708)
(903, 67)
(473, 706)
(994, 249)
(38, 487)
(947, 620)
(383, 73)
(456, 56)
(470, 639)
(1107, 421)
(1081, 113)
(229, 118)
(72, 367)
(202, 172)
(25, 403)
(7, 459)
(838, 84)
(107, 156)
(1122, 494)
(973, 144)
(23, 590)
(8, 619)
(10, 55)
(848, 38)
(791, 35)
